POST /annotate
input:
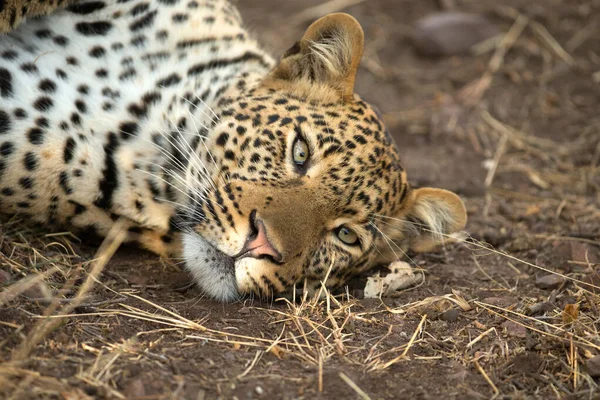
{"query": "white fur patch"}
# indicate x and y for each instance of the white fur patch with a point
(213, 271)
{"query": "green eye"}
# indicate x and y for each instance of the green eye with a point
(347, 236)
(300, 152)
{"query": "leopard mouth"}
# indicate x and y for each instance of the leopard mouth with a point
(213, 270)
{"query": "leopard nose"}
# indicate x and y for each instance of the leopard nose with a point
(258, 244)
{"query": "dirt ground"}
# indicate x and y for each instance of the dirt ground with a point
(512, 312)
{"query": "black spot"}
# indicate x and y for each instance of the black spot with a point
(61, 40)
(83, 89)
(86, 8)
(128, 130)
(6, 149)
(101, 73)
(30, 161)
(6, 89)
(35, 136)
(47, 86)
(143, 22)
(128, 73)
(360, 139)
(80, 104)
(69, 150)
(43, 104)
(63, 181)
(43, 33)
(170, 80)
(29, 67)
(97, 51)
(9, 55)
(109, 181)
(138, 9)
(5, 122)
(229, 155)
(222, 139)
(61, 74)
(162, 35)
(220, 63)
(79, 208)
(20, 113)
(8, 191)
(26, 183)
(76, 119)
(139, 41)
(179, 18)
(42, 122)
(72, 61)
(100, 28)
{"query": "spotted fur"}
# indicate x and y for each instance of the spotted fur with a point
(168, 116)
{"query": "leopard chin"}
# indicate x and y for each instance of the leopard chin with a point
(213, 270)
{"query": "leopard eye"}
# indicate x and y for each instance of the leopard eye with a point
(347, 236)
(300, 152)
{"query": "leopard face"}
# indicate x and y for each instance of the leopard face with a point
(303, 181)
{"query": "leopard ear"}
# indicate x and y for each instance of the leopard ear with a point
(329, 53)
(432, 215)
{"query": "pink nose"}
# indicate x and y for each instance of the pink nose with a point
(258, 244)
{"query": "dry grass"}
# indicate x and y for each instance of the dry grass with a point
(116, 326)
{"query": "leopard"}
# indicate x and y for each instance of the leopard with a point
(168, 120)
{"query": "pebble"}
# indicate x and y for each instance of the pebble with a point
(549, 282)
(540, 308)
(450, 315)
(451, 33)
(526, 363)
(135, 388)
(592, 282)
(501, 301)
(593, 366)
(5, 277)
(515, 330)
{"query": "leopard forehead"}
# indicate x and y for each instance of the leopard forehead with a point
(349, 144)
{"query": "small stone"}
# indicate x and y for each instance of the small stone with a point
(450, 315)
(5, 277)
(526, 363)
(515, 330)
(584, 253)
(550, 282)
(451, 33)
(592, 282)
(259, 390)
(540, 308)
(135, 389)
(501, 301)
(244, 310)
(593, 366)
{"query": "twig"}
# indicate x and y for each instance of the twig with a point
(487, 379)
(354, 386)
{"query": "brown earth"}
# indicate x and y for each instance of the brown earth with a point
(505, 314)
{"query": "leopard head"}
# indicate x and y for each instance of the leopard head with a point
(306, 181)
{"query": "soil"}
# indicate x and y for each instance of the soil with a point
(511, 312)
